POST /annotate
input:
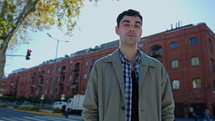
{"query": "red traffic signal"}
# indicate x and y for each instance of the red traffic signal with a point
(28, 54)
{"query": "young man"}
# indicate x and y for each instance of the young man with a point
(128, 85)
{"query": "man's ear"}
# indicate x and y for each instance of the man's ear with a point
(117, 30)
(141, 33)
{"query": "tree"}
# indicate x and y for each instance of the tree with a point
(18, 17)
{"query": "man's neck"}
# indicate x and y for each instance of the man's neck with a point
(130, 53)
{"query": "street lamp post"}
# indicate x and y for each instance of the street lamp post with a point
(55, 65)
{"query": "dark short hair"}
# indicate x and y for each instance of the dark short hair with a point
(129, 12)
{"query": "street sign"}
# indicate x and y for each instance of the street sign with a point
(42, 97)
(62, 97)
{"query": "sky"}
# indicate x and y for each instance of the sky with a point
(96, 26)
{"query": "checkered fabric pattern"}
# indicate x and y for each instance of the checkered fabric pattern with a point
(128, 81)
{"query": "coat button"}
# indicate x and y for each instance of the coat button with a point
(123, 107)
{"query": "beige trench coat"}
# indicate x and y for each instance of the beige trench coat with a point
(105, 96)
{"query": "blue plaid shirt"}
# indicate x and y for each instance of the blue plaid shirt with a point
(126, 67)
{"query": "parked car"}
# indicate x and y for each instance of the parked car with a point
(59, 104)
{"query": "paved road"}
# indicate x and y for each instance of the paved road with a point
(12, 115)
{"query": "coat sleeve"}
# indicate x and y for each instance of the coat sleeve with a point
(168, 105)
(90, 104)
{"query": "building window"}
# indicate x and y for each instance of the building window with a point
(197, 83)
(195, 61)
(70, 78)
(212, 65)
(156, 51)
(175, 84)
(86, 63)
(193, 41)
(85, 76)
(173, 45)
(175, 64)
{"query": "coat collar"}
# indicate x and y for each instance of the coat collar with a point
(146, 62)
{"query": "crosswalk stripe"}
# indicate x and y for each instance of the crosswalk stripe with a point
(8, 119)
(19, 119)
(35, 119)
(52, 117)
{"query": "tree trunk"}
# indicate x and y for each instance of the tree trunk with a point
(2, 60)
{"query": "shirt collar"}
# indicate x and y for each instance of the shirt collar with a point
(124, 59)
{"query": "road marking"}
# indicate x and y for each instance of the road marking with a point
(35, 119)
(8, 119)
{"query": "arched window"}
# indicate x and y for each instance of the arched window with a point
(156, 51)
(77, 67)
(63, 69)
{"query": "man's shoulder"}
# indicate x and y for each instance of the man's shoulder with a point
(107, 58)
(150, 60)
(110, 58)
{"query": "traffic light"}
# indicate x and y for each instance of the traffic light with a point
(28, 54)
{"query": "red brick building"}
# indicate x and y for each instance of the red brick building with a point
(187, 52)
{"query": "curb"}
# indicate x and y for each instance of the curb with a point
(40, 113)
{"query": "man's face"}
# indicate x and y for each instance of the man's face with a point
(129, 30)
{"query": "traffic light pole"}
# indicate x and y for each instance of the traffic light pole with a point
(16, 55)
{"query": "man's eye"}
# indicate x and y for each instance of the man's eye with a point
(137, 26)
(126, 25)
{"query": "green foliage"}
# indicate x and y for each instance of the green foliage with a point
(28, 107)
(8, 98)
(34, 99)
(3, 105)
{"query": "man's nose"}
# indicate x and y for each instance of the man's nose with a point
(131, 29)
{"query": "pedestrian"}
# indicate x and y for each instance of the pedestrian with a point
(128, 85)
(63, 110)
(207, 115)
(191, 112)
(198, 114)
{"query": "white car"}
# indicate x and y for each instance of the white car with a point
(59, 104)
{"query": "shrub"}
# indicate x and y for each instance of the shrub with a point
(28, 107)
(3, 105)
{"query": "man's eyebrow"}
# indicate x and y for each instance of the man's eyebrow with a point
(138, 22)
(124, 21)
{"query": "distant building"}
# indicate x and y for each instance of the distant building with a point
(187, 52)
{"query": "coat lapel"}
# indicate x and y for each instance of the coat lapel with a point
(144, 68)
(118, 71)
